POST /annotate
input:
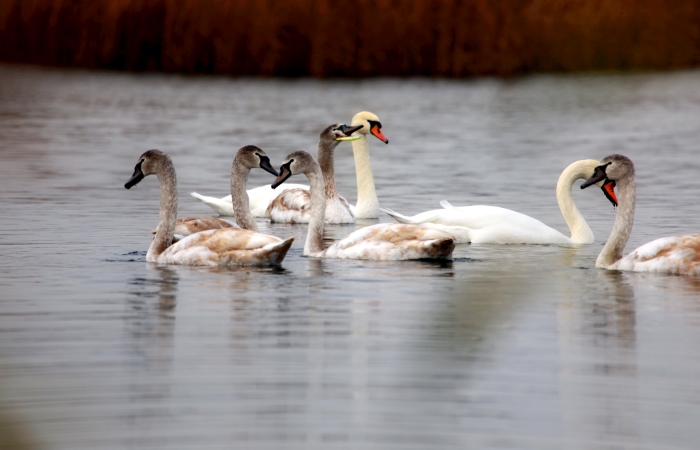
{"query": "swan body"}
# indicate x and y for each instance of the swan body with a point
(376, 242)
(480, 224)
(678, 255)
(220, 247)
(260, 197)
(294, 206)
(367, 203)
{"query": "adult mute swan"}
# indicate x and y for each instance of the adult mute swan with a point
(481, 224)
(367, 204)
(677, 255)
(294, 205)
(223, 247)
(376, 242)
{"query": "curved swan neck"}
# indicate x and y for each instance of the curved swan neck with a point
(326, 159)
(165, 171)
(622, 229)
(314, 237)
(239, 196)
(367, 206)
(580, 231)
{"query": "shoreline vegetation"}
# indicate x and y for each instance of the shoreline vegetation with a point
(361, 38)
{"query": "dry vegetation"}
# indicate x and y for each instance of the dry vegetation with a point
(353, 38)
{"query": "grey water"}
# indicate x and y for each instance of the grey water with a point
(507, 346)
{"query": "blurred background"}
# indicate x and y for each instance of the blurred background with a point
(359, 38)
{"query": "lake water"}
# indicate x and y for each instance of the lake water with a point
(506, 347)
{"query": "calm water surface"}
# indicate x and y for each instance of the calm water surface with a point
(506, 347)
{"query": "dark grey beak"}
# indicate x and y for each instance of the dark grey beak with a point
(265, 165)
(598, 175)
(136, 177)
(285, 172)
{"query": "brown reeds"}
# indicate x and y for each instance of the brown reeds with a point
(356, 38)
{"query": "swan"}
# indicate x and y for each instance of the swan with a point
(294, 205)
(481, 224)
(247, 158)
(367, 204)
(676, 255)
(222, 247)
(376, 242)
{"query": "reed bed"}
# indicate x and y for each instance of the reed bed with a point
(359, 38)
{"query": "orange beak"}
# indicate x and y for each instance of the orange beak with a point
(609, 191)
(378, 134)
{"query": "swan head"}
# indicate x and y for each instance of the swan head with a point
(295, 163)
(611, 169)
(332, 135)
(148, 163)
(253, 157)
(370, 125)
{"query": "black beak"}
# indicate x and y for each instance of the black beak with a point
(598, 175)
(136, 177)
(348, 130)
(265, 165)
(285, 173)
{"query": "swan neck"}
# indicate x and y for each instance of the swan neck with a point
(314, 237)
(581, 233)
(624, 219)
(326, 159)
(239, 196)
(367, 206)
(163, 239)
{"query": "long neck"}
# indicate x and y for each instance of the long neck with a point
(626, 193)
(168, 210)
(325, 157)
(239, 196)
(367, 206)
(580, 231)
(314, 238)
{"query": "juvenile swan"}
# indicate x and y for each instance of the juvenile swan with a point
(247, 158)
(481, 224)
(678, 254)
(376, 242)
(294, 205)
(367, 204)
(224, 247)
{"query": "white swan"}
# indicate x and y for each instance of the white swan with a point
(376, 242)
(493, 225)
(677, 255)
(223, 247)
(294, 205)
(367, 204)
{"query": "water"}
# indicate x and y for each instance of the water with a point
(507, 347)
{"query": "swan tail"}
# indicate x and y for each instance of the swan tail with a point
(440, 248)
(400, 218)
(277, 251)
(445, 204)
(221, 207)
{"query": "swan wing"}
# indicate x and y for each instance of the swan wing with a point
(226, 247)
(487, 225)
(190, 225)
(393, 242)
(291, 206)
(678, 255)
(220, 206)
(259, 198)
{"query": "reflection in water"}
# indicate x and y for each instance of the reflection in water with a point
(597, 339)
(150, 325)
